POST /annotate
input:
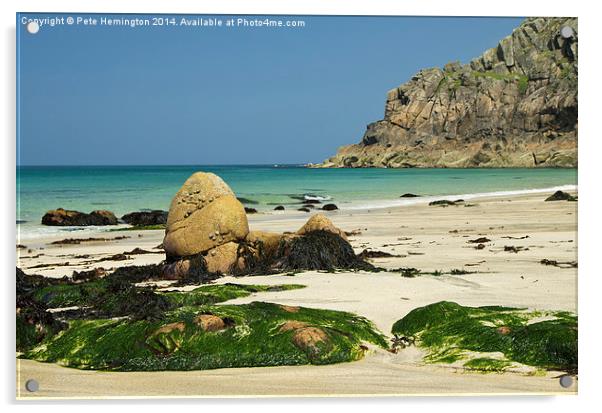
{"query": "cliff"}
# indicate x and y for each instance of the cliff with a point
(514, 106)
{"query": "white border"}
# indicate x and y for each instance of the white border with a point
(590, 150)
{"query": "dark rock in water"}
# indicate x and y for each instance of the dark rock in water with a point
(318, 250)
(310, 206)
(21, 221)
(62, 217)
(279, 208)
(561, 196)
(247, 201)
(303, 209)
(480, 247)
(443, 202)
(408, 195)
(250, 210)
(311, 201)
(330, 207)
(144, 218)
(21, 246)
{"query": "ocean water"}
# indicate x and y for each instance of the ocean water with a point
(124, 189)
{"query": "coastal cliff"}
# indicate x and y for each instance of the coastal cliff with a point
(514, 106)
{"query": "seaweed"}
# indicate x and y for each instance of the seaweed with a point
(255, 334)
(319, 250)
(450, 332)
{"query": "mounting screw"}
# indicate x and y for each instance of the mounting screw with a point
(566, 32)
(566, 381)
(32, 385)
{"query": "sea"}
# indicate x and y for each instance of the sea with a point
(123, 189)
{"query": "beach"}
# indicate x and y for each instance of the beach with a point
(522, 231)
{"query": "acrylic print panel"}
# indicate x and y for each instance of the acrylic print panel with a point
(220, 206)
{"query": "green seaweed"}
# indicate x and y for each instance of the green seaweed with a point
(252, 336)
(447, 328)
(212, 294)
(487, 365)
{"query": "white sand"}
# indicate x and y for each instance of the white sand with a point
(421, 235)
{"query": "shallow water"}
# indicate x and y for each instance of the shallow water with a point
(123, 189)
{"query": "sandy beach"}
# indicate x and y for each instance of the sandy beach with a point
(523, 230)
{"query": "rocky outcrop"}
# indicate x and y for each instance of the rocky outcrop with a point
(63, 217)
(208, 233)
(145, 218)
(514, 106)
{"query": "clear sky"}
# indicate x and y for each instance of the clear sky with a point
(190, 95)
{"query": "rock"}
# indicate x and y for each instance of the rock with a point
(267, 242)
(210, 322)
(319, 222)
(279, 208)
(303, 209)
(514, 106)
(145, 218)
(309, 206)
(311, 201)
(250, 210)
(561, 196)
(292, 325)
(308, 338)
(203, 215)
(408, 195)
(222, 259)
(63, 217)
(330, 207)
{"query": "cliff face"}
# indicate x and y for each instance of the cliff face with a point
(514, 106)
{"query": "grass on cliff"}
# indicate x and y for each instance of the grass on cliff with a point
(522, 80)
(492, 338)
(255, 334)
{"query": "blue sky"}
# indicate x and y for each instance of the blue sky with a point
(189, 95)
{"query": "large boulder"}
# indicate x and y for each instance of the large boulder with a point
(203, 215)
(319, 222)
(64, 217)
(145, 218)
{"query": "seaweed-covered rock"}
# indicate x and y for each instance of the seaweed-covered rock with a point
(318, 250)
(145, 218)
(330, 207)
(63, 217)
(204, 214)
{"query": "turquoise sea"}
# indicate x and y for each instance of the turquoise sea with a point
(123, 189)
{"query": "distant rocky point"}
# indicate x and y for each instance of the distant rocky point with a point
(514, 106)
